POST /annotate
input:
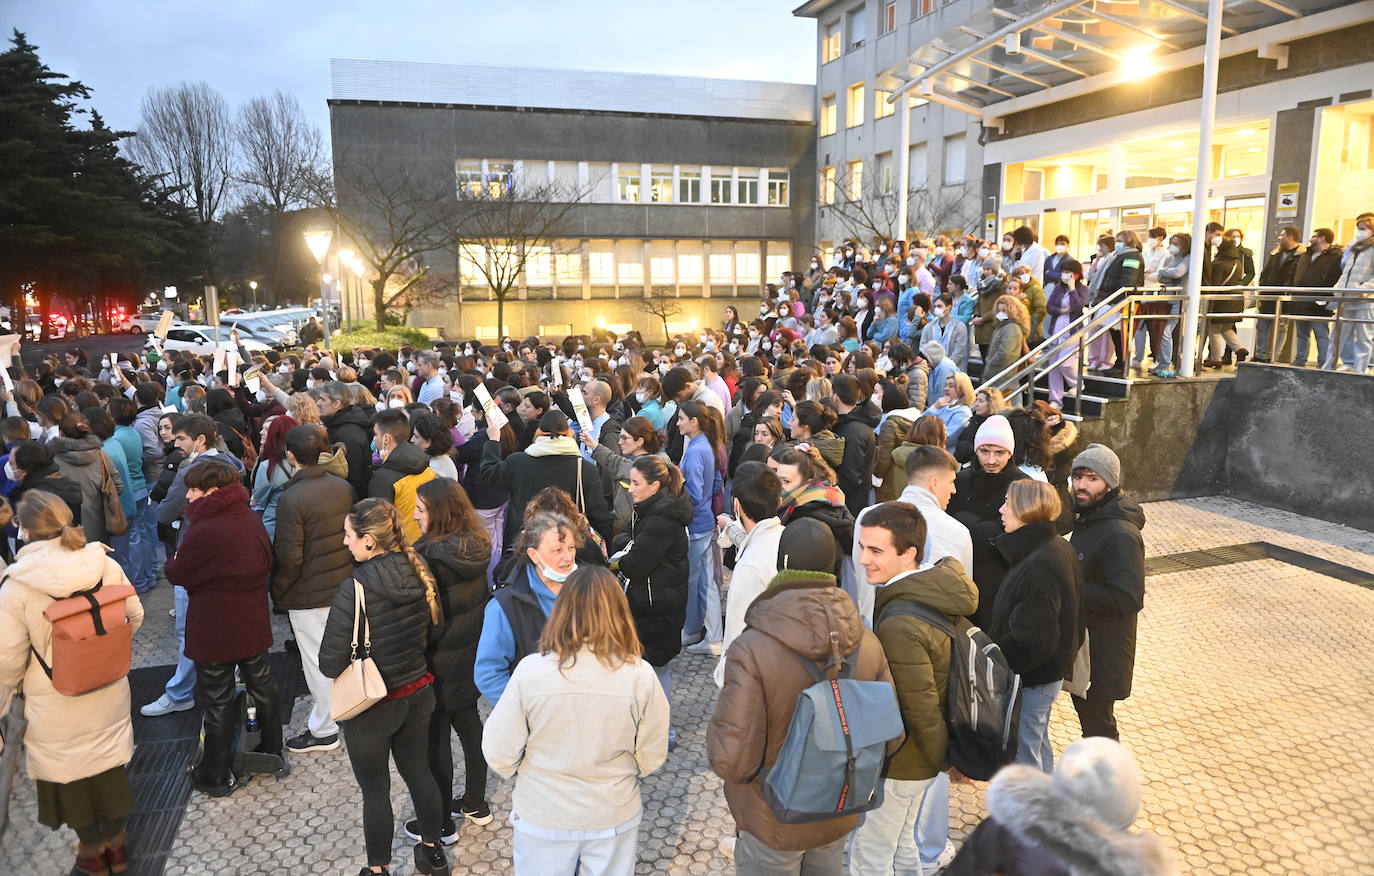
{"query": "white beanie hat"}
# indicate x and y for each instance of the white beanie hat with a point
(996, 430)
(1101, 775)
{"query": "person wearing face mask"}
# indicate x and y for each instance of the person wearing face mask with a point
(941, 263)
(1224, 269)
(1277, 275)
(1171, 275)
(1064, 304)
(1319, 266)
(1030, 254)
(950, 333)
(1126, 270)
(990, 288)
(1008, 342)
(972, 268)
(1358, 277)
(1054, 260)
(404, 467)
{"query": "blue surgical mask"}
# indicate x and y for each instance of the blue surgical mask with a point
(1120, 245)
(557, 577)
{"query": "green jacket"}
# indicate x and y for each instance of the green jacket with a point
(918, 655)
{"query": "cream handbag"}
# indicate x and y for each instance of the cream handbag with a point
(360, 686)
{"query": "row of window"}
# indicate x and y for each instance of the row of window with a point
(602, 182)
(854, 108)
(833, 42)
(629, 262)
(884, 183)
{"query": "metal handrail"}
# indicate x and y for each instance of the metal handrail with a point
(1099, 319)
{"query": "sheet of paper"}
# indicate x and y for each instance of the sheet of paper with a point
(219, 363)
(584, 419)
(252, 384)
(164, 324)
(556, 369)
(493, 411)
(231, 364)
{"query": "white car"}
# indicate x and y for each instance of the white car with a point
(200, 340)
(143, 323)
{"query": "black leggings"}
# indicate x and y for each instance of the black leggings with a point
(399, 728)
(468, 725)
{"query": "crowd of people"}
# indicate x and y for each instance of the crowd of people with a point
(551, 525)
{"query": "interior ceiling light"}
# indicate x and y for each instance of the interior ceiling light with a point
(1254, 149)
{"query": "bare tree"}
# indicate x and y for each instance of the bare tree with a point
(186, 138)
(393, 219)
(663, 305)
(502, 223)
(868, 212)
(281, 154)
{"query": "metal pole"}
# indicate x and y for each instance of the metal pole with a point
(1187, 355)
(903, 156)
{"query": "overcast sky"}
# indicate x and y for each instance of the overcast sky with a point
(246, 48)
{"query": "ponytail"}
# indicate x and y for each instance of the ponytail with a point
(380, 519)
(72, 538)
(422, 571)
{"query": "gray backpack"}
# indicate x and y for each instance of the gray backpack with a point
(834, 758)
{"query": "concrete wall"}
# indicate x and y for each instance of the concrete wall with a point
(1294, 131)
(1292, 438)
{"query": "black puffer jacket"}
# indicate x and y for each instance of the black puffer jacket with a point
(397, 613)
(232, 428)
(656, 566)
(853, 476)
(352, 428)
(1036, 620)
(460, 571)
(1111, 553)
(975, 503)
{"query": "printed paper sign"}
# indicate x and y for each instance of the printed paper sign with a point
(556, 369)
(164, 324)
(9, 357)
(495, 416)
(218, 365)
(1287, 207)
(252, 384)
(584, 419)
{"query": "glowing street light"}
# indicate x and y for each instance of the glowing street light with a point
(253, 284)
(318, 239)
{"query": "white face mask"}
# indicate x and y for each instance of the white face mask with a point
(309, 383)
(876, 398)
(1119, 246)
(982, 252)
(679, 351)
(641, 397)
(1060, 248)
(1216, 240)
(883, 364)
(558, 577)
(663, 367)
(1173, 249)
(380, 406)
(104, 363)
(768, 345)
(363, 363)
(939, 251)
(753, 333)
(910, 260)
(10, 473)
(455, 396)
(410, 366)
(162, 366)
(283, 369)
(395, 403)
(1361, 234)
(58, 381)
(1001, 316)
(939, 312)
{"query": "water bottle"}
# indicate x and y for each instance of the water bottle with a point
(252, 719)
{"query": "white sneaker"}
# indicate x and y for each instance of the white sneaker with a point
(946, 858)
(705, 646)
(164, 705)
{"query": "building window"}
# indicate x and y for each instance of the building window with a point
(600, 184)
(661, 185)
(689, 189)
(888, 22)
(567, 263)
(747, 190)
(1237, 150)
(917, 169)
(689, 262)
(472, 264)
(829, 115)
(720, 187)
(500, 178)
(661, 262)
(777, 187)
(854, 180)
(854, 106)
(885, 173)
(602, 262)
(627, 184)
(747, 262)
(722, 265)
(882, 107)
(827, 185)
(830, 44)
(1345, 165)
(629, 262)
(856, 29)
(955, 159)
(469, 179)
(779, 258)
(922, 8)
(539, 266)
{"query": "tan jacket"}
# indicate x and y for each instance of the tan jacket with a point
(763, 677)
(68, 738)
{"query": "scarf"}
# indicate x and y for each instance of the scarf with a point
(557, 445)
(828, 494)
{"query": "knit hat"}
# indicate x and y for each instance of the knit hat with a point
(993, 261)
(933, 351)
(808, 545)
(1101, 775)
(1099, 459)
(996, 430)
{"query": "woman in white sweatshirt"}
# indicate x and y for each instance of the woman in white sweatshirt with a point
(579, 724)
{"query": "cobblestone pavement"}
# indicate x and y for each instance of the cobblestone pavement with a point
(1251, 693)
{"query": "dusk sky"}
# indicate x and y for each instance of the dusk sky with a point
(251, 47)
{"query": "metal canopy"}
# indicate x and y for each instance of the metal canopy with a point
(1018, 48)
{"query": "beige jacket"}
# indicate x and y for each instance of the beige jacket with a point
(68, 738)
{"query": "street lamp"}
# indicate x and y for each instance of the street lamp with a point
(318, 240)
(253, 284)
(344, 256)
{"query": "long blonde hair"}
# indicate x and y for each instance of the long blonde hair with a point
(43, 516)
(380, 519)
(591, 612)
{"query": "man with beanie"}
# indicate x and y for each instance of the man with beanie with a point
(1111, 552)
(942, 367)
(979, 491)
(910, 831)
(1076, 820)
(800, 614)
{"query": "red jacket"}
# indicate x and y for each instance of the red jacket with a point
(223, 562)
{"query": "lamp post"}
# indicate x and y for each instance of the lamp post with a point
(345, 258)
(318, 240)
(253, 284)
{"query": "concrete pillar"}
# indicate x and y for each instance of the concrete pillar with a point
(586, 260)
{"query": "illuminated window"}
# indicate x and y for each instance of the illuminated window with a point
(689, 261)
(830, 44)
(689, 185)
(567, 263)
(854, 180)
(827, 185)
(924, 7)
(661, 185)
(829, 114)
(539, 266)
(500, 178)
(747, 262)
(720, 186)
(779, 258)
(472, 261)
(777, 187)
(885, 181)
(661, 262)
(627, 183)
(602, 262)
(1059, 176)
(722, 264)
(490, 178)
(1237, 150)
(854, 106)
(1345, 167)
(469, 179)
(747, 190)
(629, 262)
(882, 107)
(888, 20)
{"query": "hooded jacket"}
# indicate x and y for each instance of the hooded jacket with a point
(549, 462)
(1008, 340)
(459, 567)
(656, 569)
(796, 615)
(405, 468)
(68, 738)
(1111, 553)
(311, 558)
(352, 428)
(50, 480)
(79, 460)
(830, 446)
(918, 655)
(397, 613)
(1032, 831)
(976, 502)
(856, 464)
(223, 561)
(892, 435)
(147, 424)
(1036, 620)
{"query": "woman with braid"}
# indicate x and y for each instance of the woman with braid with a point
(401, 604)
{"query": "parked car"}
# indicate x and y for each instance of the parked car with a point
(261, 331)
(143, 323)
(201, 340)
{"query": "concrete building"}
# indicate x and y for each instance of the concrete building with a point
(699, 189)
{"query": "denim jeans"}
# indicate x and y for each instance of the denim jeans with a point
(911, 827)
(181, 687)
(153, 568)
(701, 585)
(136, 558)
(1304, 332)
(665, 679)
(1034, 748)
(1262, 334)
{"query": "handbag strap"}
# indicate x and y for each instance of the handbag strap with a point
(581, 505)
(360, 617)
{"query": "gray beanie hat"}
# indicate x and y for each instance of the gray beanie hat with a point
(1100, 459)
(1101, 775)
(993, 261)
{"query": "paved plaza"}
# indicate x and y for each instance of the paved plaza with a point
(1249, 719)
